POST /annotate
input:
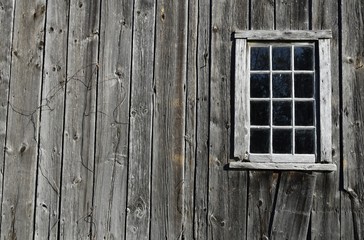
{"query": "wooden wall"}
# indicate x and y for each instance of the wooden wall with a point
(116, 123)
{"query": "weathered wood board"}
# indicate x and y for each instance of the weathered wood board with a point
(52, 119)
(168, 119)
(6, 39)
(79, 130)
(21, 152)
(141, 117)
(112, 120)
(227, 196)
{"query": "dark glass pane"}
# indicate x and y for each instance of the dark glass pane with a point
(282, 141)
(282, 113)
(259, 113)
(281, 58)
(259, 85)
(303, 85)
(259, 58)
(304, 114)
(305, 141)
(303, 58)
(282, 85)
(259, 140)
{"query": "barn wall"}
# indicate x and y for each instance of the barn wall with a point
(116, 123)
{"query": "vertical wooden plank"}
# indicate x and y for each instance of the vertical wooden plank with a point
(79, 133)
(6, 38)
(23, 123)
(325, 214)
(227, 189)
(262, 14)
(293, 207)
(202, 120)
(141, 114)
(352, 95)
(111, 159)
(191, 118)
(168, 121)
(262, 185)
(241, 114)
(292, 15)
(52, 115)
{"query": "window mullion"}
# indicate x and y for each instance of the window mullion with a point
(271, 99)
(293, 103)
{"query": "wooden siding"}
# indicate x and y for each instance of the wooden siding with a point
(117, 122)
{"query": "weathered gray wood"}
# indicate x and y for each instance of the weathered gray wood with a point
(6, 38)
(227, 190)
(353, 117)
(190, 119)
(283, 35)
(18, 203)
(262, 15)
(241, 113)
(293, 207)
(325, 100)
(262, 185)
(282, 166)
(202, 121)
(325, 216)
(292, 15)
(79, 135)
(52, 116)
(111, 159)
(168, 121)
(141, 114)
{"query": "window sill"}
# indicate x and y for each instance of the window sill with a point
(316, 167)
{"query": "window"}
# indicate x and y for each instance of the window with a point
(283, 100)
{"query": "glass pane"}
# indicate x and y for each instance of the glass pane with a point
(303, 58)
(282, 113)
(282, 141)
(259, 113)
(281, 58)
(303, 85)
(259, 58)
(305, 141)
(282, 85)
(259, 86)
(304, 114)
(259, 140)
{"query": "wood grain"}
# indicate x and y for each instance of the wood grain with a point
(227, 190)
(79, 134)
(168, 121)
(112, 126)
(52, 119)
(18, 203)
(6, 39)
(141, 117)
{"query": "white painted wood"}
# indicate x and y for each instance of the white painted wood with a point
(325, 100)
(297, 158)
(283, 166)
(283, 35)
(241, 114)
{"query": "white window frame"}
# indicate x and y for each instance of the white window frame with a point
(323, 159)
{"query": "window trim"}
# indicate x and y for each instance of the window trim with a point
(241, 118)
